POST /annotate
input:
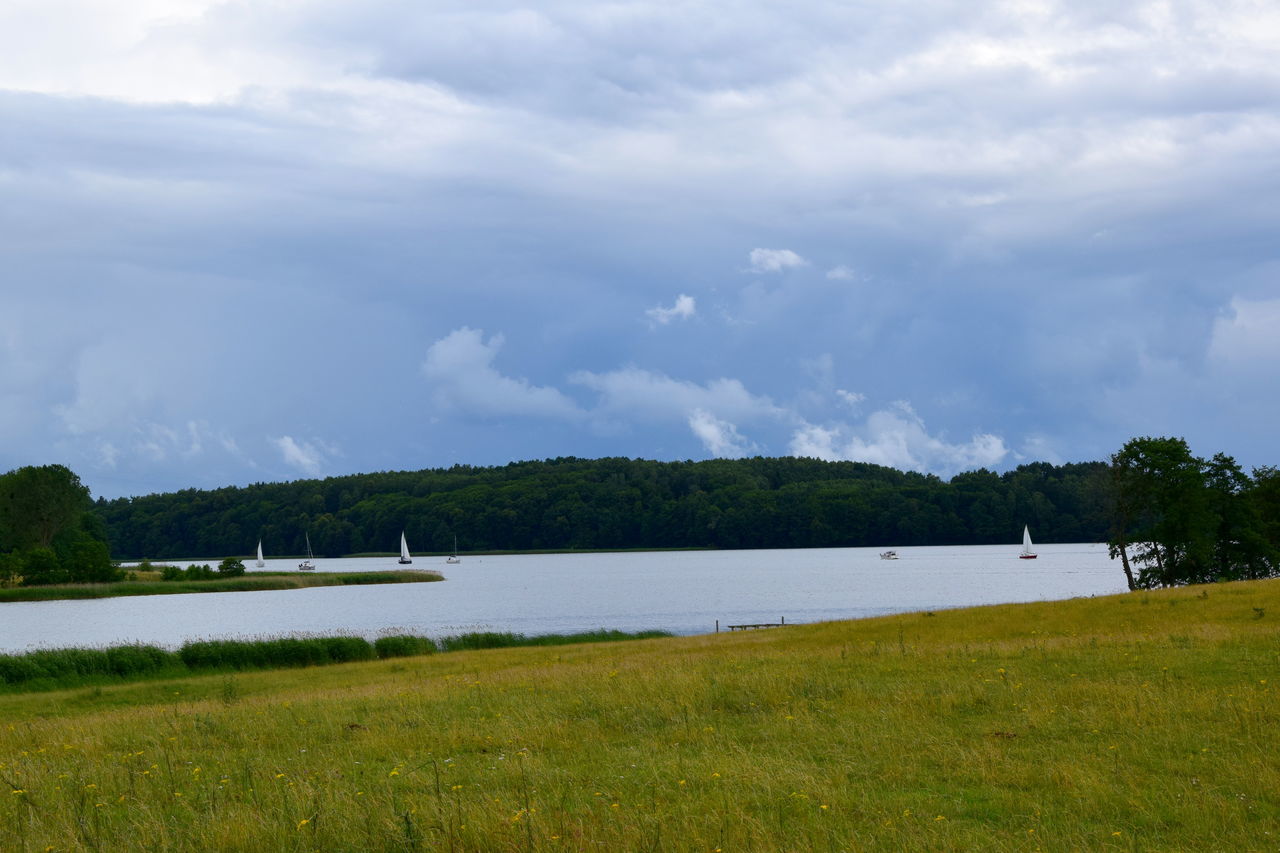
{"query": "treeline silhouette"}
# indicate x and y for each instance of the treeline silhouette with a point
(615, 503)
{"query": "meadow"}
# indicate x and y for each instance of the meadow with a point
(150, 583)
(1146, 721)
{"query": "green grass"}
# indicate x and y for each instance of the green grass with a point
(253, 582)
(1147, 721)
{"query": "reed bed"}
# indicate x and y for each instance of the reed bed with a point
(48, 669)
(253, 582)
(1147, 721)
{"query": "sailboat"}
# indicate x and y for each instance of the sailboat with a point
(307, 565)
(1027, 553)
(405, 559)
(260, 564)
(454, 558)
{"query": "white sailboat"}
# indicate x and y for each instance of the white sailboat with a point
(1027, 553)
(454, 558)
(307, 565)
(260, 563)
(405, 559)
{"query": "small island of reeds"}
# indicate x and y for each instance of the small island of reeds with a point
(151, 582)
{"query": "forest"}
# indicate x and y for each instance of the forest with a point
(616, 503)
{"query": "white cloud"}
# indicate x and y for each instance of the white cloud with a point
(684, 308)
(108, 454)
(460, 369)
(897, 438)
(774, 260)
(852, 399)
(719, 437)
(841, 273)
(306, 456)
(643, 395)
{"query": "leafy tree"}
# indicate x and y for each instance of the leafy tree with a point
(1181, 519)
(41, 567)
(231, 568)
(37, 503)
(1264, 496)
(1241, 550)
(11, 568)
(89, 561)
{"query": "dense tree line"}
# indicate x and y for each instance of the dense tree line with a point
(569, 503)
(1180, 519)
(49, 532)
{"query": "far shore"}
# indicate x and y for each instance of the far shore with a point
(248, 559)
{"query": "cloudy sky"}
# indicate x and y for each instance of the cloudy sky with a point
(247, 241)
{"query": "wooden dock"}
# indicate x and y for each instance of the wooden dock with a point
(753, 625)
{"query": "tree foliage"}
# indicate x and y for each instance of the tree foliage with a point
(1180, 519)
(569, 504)
(49, 532)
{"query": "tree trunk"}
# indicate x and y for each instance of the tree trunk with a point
(1128, 572)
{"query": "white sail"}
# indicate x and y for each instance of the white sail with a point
(1027, 553)
(260, 563)
(404, 550)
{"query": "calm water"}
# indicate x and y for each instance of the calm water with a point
(682, 592)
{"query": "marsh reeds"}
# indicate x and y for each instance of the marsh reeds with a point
(150, 583)
(1147, 721)
(46, 669)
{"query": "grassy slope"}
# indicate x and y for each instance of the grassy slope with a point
(149, 583)
(1145, 721)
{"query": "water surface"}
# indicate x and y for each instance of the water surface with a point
(684, 592)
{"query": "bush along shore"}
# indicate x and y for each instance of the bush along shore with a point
(48, 669)
(153, 583)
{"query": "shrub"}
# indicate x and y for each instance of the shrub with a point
(19, 669)
(403, 645)
(89, 561)
(345, 649)
(230, 568)
(280, 652)
(131, 660)
(42, 567)
(482, 640)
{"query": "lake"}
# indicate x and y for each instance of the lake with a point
(684, 592)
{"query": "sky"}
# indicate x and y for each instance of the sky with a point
(262, 241)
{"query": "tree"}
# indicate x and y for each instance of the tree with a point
(1181, 519)
(11, 568)
(1242, 550)
(231, 568)
(38, 503)
(88, 561)
(42, 568)
(1264, 496)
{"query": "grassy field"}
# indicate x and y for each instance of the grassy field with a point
(149, 583)
(1147, 721)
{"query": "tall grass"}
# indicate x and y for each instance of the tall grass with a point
(53, 668)
(1147, 721)
(500, 640)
